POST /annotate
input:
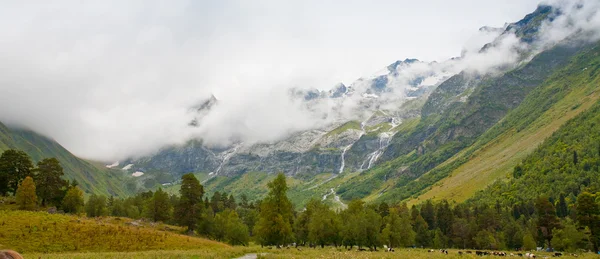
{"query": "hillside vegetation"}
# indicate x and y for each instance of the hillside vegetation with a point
(559, 96)
(566, 94)
(28, 232)
(92, 178)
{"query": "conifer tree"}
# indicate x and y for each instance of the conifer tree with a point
(189, 209)
(26, 197)
(158, 208)
(50, 185)
(547, 219)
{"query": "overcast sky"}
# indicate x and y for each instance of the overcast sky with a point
(108, 79)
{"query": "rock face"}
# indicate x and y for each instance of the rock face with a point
(454, 107)
(346, 144)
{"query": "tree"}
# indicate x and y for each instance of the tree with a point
(422, 238)
(547, 220)
(485, 240)
(26, 198)
(528, 242)
(371, 228)
(444, 217)
(323, 225)
(96, 206)
(229, 227)
(274, 226)
(15, 165)
(384, 209)
(568, 238)
(562, 208)
(588, 215)
(302, 221)
(352, 231)
(190, 206)
(216, 202)
(158, 208)
(206, 223)
(439, 240)
(428, 214)
(73, 200)
(398, 231)
(50, 185)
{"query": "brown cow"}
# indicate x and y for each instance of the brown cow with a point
(10, 254)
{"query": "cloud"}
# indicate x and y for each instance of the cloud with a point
(579, 18)
(110, 79)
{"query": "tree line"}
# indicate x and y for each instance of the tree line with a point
(568, 223)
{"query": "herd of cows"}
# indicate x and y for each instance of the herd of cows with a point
(497, 253)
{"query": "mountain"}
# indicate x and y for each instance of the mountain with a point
(92, 177)
(412, 131)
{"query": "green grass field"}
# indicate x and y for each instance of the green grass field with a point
(327, 252)
(43, 235)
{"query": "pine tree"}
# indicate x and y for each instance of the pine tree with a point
(73, 200)
(158, 208)
(15, 165)
(547, 219)
(190, 206)
(444, 217)
(274, 226)
(50, 185)
(562, 208)
(428, 214)
(26, 198)
(216, 202)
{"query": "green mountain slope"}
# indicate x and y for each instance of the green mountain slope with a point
(92, 178)
(439, 145)
(568, 162)
(565, 95)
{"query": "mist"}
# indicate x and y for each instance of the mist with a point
(115, 79)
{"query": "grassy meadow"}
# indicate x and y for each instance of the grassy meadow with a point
(43, 235)
(327, 252)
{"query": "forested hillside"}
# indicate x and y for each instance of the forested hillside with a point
(92, 178)
(566, 164)
(463, 131)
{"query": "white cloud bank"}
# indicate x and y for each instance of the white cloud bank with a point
(109, 79)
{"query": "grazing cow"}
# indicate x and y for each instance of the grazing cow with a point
(10, 254)
(390, 250)
(557, 254)
(430, 250)
(460, 253)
